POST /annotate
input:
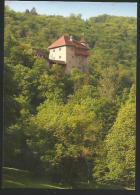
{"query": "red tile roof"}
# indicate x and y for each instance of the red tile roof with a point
(65, 40)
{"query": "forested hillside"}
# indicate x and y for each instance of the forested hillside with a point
(78, 127)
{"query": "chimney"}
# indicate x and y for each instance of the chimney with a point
(83, 42)
(71, 38)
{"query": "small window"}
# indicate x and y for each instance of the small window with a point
(59, 48)
(54, 50)
(59, 57)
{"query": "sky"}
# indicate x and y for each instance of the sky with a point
(86, 9)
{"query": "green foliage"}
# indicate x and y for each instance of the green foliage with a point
(122, 164)
(119, 147)
(62, 134)
(77, 127)
(51, 84)
(17, 178)
(22, 54)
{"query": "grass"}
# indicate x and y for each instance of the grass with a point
(16, 178)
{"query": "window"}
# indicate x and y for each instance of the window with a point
(59, 57)
(59, 48)
(54, 50)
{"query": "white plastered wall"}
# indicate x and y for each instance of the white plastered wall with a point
(58, 54)
(67, 54)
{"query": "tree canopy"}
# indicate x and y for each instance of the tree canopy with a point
(76, 127)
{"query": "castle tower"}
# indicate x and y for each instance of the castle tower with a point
(69, 53)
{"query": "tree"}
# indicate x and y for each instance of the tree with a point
(108, 84)
(119, 147)
(67, 125)
(27, 11)
(33, 11)
(51, 84)
(65, 135)
(22, 54)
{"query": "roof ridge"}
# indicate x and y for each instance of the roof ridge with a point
(65, 40)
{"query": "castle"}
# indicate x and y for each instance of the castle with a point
(69, 53)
